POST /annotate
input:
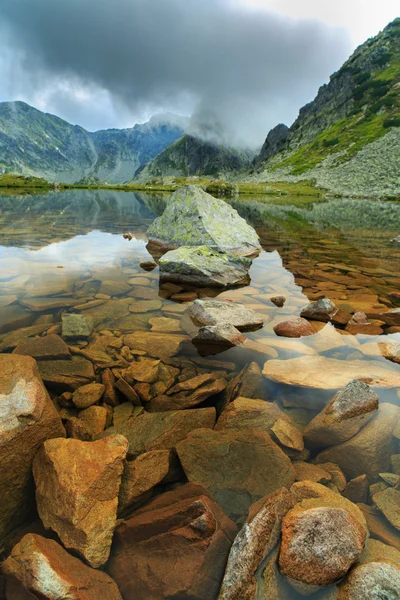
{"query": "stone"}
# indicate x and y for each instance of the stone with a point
(369, 451)
(247, 384)
(147, 265)
(14, 317)
(176, 546)
(75, 325)
(162, 431)
(295, 327)
(194, 218)
(41, 304)
(237, 467)
(390, 317)
(189, 398)
(319, 545)
(320, 310)
(110, 395)
(144, 306)
(279, 301)
(215, 312)
(27, 418)
(66, 375)
(319, 372)
(44, 569)
(128, 391)
(224, 335)
(364, 329)
(338, 478)
(87, 395)
(388, 503)
(10, 340)
(89, 423)
(144, 370)
(308, 472)
(77, 485)
(114, 288)
(343, 417)
(246, 413)
(390, 351)
(204, 266)
(143, 474)
(165, 325)
(254, 542)
(379, 527)
(49, 347)
(288, 435)
(374, 580)
(357, 489)
(159, 345)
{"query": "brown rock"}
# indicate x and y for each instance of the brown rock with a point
(66, 375)
(28, 418)
(160, 345)
(257, 538)
(379, 527)
(89, 423)
(374, 580)
(110, 395)
(246, 384)
(388, 502)
(77, 485)
(162, 431)
(145, 370)
(175, 547)
(87, 395)
(320, 310)
(247, 413)
(390, 351)
(319, 545)
(369, 451)
(128, 391)
(143, 474)
(165, 325)
(294, 328)
(49, 347)
(338, 478)
(288, 435)
(390, 317)
(237, 467)
(343, 417)
(219, 335)
(357, 489)
(279, 301)
(43, 568)
(308, 472)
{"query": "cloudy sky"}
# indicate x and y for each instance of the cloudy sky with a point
(244, 64)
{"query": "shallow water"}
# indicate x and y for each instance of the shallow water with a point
(63, 249)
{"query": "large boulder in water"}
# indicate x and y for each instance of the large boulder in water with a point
(204, 266)
(194, 218)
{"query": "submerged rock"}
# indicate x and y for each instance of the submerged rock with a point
(77, 485)
(204, 266)
(237, 467)
(319, 545)
(43, 568)
(294, 328)
(174, 547)
(343, 417)
(215, 312)
(49, 347)
(194, 218)
(28, 418)
(257, 538)
(77, 325)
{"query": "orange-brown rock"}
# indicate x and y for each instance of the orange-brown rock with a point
(294, 328)
(237, 467)
(28, 418)
(41, 567)
(77, 486)
(49, 347)
(175, 547)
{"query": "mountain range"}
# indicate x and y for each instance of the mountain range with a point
(43, 145)
(347, 140)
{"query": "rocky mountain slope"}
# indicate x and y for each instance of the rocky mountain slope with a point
(348, 138)
(192, 156)
(40, 144)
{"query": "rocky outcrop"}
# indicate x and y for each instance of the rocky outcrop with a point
(41, 567)
(77, 486)
(204, 266)
(28, 418)
(274, 143)
(176, 546)
(343, 417)
(194, 218)
(237, 467)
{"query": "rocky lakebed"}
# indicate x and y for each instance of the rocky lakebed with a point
(199, 400)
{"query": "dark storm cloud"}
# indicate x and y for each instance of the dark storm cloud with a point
(243, 67)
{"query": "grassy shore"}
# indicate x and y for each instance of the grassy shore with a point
(20, 184)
